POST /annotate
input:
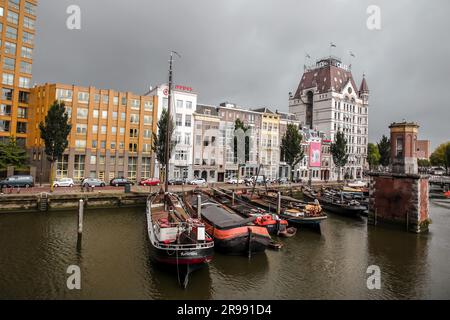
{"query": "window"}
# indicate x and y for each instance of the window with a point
(14, 4)
(146, 148)
(9, 63)
(80, 144)
(97, 98)
(179, 104)
(101, 160)
(5, 110)
(62, 167)
(165, 103)
(95, 114)
(24, 82)
(132, 147)
(93, 160)
(103, 144)
(179, 120)
(103, 130)
(123, 116)
(132, 168)
(62, 94)
(122, 131)
(104, 114)
(94, 144)
(25, 67)
(189, 105)
(124, 101)
(10, 48)
(8, 79)
(188, 120)
(30, 8)
(148, 105)
(147, 134)
(187, 139)
(78, 168)
(27, 38)
(4, 126)
(147, 120)
(82, 113)
(11, 33)
(114, 130)
(105, 99)
(112, 160)
(28, 23)
(115, 115)
(83, 97)
(81, 129)
(116, 101)
(134, 118)
(113, 145)
(135, 104)
(7, 94)
(134, 133)
(146, 167)
(13, 17)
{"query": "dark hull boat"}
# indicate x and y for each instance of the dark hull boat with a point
(336, 204)
(177, 240)
(232, 233)
(273, 223)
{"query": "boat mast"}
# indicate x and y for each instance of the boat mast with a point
(169, 121)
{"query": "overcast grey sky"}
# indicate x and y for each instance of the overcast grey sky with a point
(252, 52)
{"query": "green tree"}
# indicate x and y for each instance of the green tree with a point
(12, 155)
(159, 140)
(339, 152)
(54, 131)
(373, 155)
(291, 147)
(384, 148)
(423, 163)
(239, 125)
(441, 156)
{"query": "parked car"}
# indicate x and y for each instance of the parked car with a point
(151, 182)
(18, 181)
(120, 182)
(198, 182)
(92, 182)
(282, 180)
(63, 182)
(235, 181)
(177, 182)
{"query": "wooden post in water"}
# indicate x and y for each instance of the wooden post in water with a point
(199, 207)
(232, 203)
(80, 222)
(407, 221)
(279, 203)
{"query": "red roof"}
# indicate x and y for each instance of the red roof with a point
(327, 78)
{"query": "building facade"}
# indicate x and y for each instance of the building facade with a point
(423, 149)
(17, 30)
(208, 151)
(328, 100)
(184, 104)
(112, 132)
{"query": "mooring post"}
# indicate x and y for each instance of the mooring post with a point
(232, 203)
(199, 207)
(279, 203)
(407, 221)
(80, 221)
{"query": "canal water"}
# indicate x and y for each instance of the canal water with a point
(36, 250)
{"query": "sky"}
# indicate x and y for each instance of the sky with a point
(252, 52)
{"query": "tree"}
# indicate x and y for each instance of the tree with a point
(423, 163)
(384, 148)
(441, 156)
(12, 155)
(239, 125)
(54, 131)
(373, 155)
(159, 141)
(339, 152)
(291, 147)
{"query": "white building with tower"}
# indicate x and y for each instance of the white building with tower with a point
(184, 104)
(328, 100)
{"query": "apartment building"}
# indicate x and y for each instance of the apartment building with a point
(17, 30)
(184, 104)
(112, 132)
(229, 113)
(270, 142)
(208, 151)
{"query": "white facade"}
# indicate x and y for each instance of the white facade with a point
(328, 100)
(184, 104)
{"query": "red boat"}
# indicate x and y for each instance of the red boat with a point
(447, 194)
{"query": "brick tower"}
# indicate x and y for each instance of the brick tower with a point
(401, 196)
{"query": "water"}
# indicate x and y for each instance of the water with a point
(36, 250)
